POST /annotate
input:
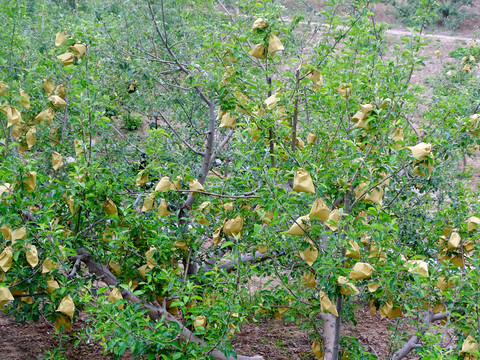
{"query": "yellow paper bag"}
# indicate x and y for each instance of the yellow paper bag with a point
(6, 259)
(142, 178)
(31, 181)
(300, 143)
(48, 86)
(274, 45)
(195, 185)
(260, 24)
(24, 99)
(345, 90)
(32, 255)
(309, 279)
(5, 295)
(469, 344)
(64, 321)
(302, 182)
(311, 138)
(258, 51)
(472, 223)
(52, 285)
(317, 349)
(46, 115)
(216, 236)
(200, 321)
(420, 151)
(67, 306)
(149, 202)
(78, 145)
(60, 38)
(57, 101)
(18, 234)
(181, 245)
(163, 208)
(419, 267)
(31, 137)
(333, 220)
(271, 101)
(361, 271)
(78, 50)
(61, 91)
(310, 254)
(228, 120)
(372, 287)
(353, 251)
(316, 77)
(114, 296)
(109, 207)
(115, 267)
(14, 117)
(300, 226)
(67, 58)
(3, 88)
(454, 241)
(233, 226)
(386, 309)
(49, 265)
(326, 305)
(280, 311)
(346, 288)
(164, 184)
(319, 209)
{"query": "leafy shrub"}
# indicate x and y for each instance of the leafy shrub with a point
(132, 121)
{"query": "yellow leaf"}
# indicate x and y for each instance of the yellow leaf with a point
(67, 58)
(326, 305)
(182, 245)
(57, 160)
(67, 306)
(454, 241)
(311, 138)
(109, 207)
(233, 226)
(114, 296)
(195, 185)
(274, 45)
(46, 115)
(60, 38)
(300, 226)
(319, 209)
(31, 181)
(361, 271)
(149, 202)
(386, 309)
(52, 285)
(57, 101)
(6, 259)
(79, 50)
(32, 255)
(333, 220)
(420, 151)
(260, 24)
(310, 254)
(200, 321)
(258, 51)
(49, 265)
(163, 208)
(317, 349)
(302, 182)
(24, 99)
(345, 90)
